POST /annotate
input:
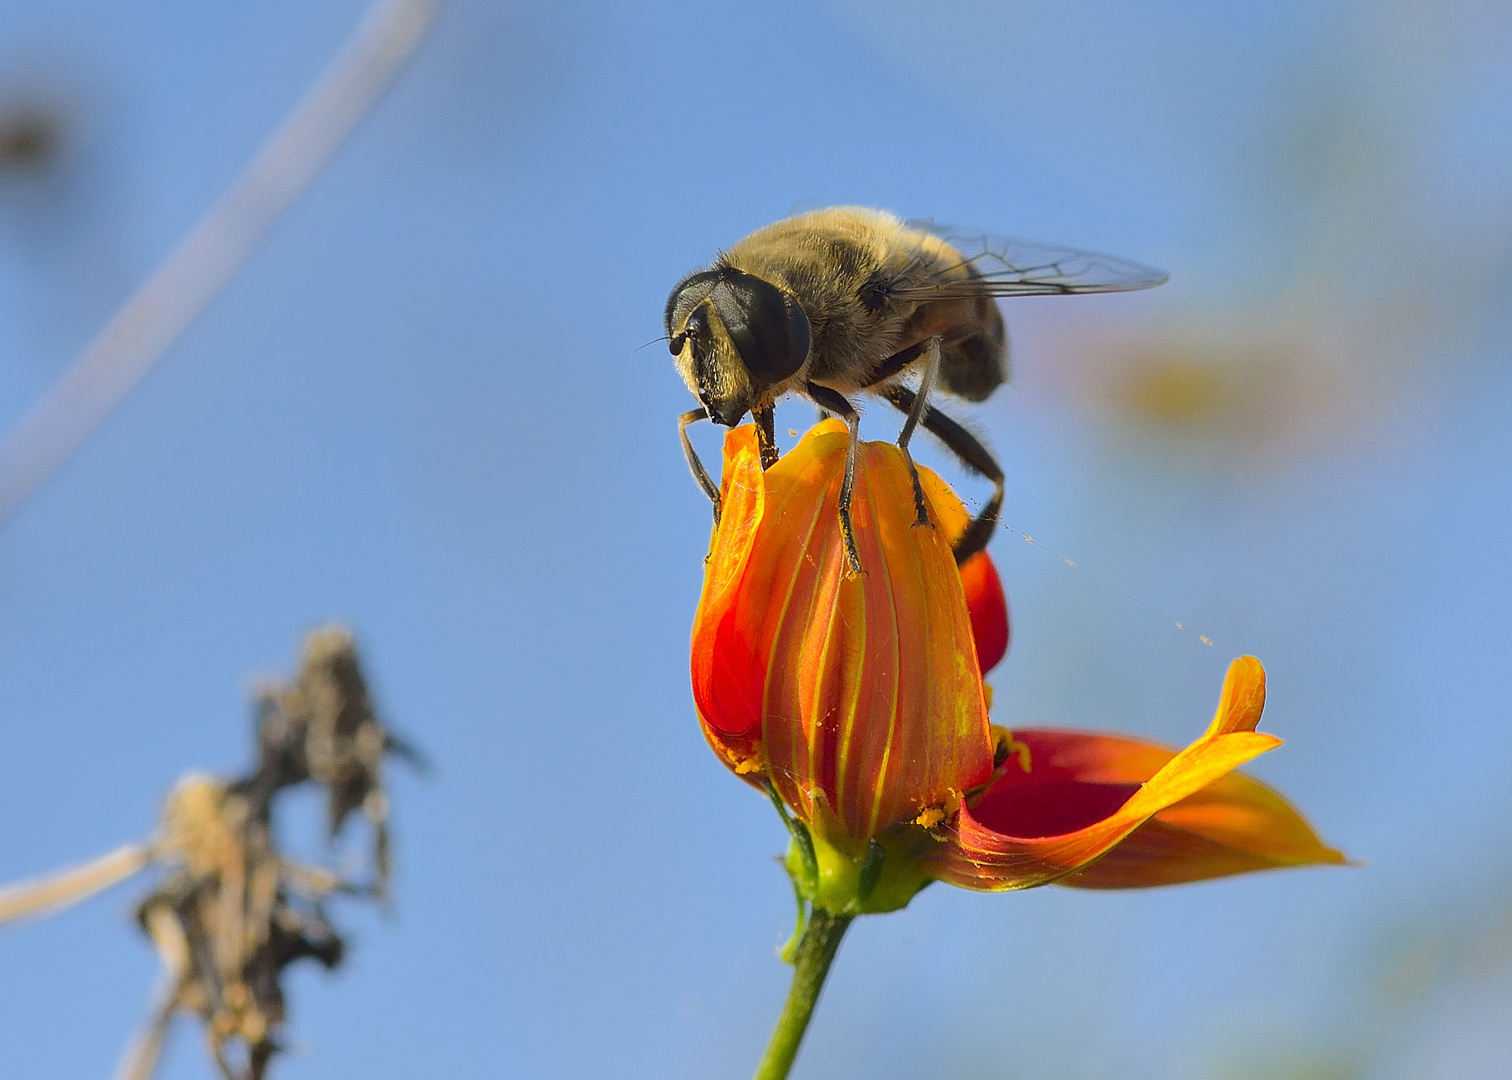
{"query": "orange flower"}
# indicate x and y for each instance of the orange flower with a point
(857, 701)
(858, 698)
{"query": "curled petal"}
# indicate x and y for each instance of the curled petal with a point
(1184, 816)
(1234, 825)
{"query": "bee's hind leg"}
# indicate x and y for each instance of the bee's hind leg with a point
(836, 403)
(971, 453)
(915, 413)
(699, 472)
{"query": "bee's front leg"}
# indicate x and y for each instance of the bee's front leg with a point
(915, 412)
(765, 416)
(699, 472)
(836, 403)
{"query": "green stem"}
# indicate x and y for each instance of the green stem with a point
(816, 951)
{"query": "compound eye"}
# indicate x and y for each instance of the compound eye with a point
(690, 292)
(767, 326)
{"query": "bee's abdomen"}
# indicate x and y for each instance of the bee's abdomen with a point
(973, 367)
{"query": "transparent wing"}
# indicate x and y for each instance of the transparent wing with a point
(56, 891)
(1004, 267)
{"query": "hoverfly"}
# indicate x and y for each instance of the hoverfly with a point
(843, 300)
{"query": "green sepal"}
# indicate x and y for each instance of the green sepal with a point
(789, 952)
(868, 878)
(806, 874)
(871, 870)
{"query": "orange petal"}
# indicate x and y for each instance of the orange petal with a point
(870, 695)
(1234, 825)
(946, 508)
(985, 598)
(873, 694)
(727, 678)
(1087, 795)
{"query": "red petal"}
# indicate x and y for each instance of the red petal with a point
(988, 605)
(1048, 807)
(1115, 812)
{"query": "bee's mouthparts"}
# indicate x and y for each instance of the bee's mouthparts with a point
(720, 416)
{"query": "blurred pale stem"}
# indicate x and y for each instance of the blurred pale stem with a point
(57, 891)
(811, 964)
(157, 313)
(142, 1055)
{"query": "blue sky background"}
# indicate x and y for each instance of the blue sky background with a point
(420, 409)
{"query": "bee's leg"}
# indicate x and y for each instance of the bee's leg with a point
(915, 411)
(836, 403)
(766, 433)
(973, 455)
(699, 473)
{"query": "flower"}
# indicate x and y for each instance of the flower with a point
(857, 698)
(857, 702)
(1104, 811)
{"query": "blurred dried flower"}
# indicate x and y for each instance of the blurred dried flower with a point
(228, 920)
(322, 727)
(232, 911)
(31, 137)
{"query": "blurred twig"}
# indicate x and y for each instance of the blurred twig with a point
(142, 1054)
(158, 312)
(58, 890)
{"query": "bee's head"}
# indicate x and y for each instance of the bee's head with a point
(735, 337)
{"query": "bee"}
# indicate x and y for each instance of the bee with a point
(843, 300)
